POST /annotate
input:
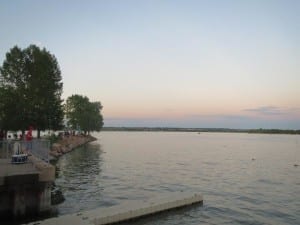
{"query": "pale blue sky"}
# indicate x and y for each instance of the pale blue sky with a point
(173, 63)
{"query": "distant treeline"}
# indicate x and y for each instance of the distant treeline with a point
(222, 130)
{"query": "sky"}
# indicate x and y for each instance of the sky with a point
(158, 63)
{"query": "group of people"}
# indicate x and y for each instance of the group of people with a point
(28, 135)
(14, 144)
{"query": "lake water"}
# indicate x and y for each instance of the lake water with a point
(244, 178)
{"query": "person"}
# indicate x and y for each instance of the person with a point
(28, 137)
(29, 134)
(9, 143)
(19, 156)
(17, 148)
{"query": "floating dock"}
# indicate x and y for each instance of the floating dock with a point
(126, 211)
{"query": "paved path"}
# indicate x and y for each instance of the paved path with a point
(9, 169)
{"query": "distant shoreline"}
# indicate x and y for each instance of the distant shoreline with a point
(199, 130)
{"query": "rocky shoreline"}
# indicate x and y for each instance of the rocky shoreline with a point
(68, 143)
(62, 146)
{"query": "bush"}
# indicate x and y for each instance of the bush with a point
(53, 139)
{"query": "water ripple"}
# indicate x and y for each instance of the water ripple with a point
(237, 189)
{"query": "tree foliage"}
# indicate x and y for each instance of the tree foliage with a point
(83, 114)
(30, 90)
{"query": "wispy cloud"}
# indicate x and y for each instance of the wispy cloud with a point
(269, 110)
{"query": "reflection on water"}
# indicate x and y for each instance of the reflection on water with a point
(78, 178)
(245, 178)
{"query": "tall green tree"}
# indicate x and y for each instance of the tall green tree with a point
(12, 86)
(31, 83)
(83, 114)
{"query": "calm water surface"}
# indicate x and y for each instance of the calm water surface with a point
(244, 178)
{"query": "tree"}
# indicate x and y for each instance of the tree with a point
(31, 86)
(9, 106)
(83, 114)
(11, 87)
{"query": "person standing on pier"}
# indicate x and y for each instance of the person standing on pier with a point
(29, 138)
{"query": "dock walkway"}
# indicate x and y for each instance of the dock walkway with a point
(126, 211)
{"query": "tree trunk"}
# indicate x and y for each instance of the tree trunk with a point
(23, 134)
(38, 133)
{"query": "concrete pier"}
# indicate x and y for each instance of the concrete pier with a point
(25, 189)
(126, 211)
